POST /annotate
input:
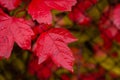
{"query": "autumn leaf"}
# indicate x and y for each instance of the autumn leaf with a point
(13, 30)
(116, 16)
(40, 70)
(107, 29)
(40, 10)
(10, 4)
(53, 43)
(78, 12)
(77, 16)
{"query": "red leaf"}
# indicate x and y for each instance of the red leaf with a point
(77, 16)
(42, 71)
(83, 5)
(38, 29)
(107, 28)
(41, 9)
(117, 37)
(78, 13)
(13, 30)
(65, 77)
(107, 42)
(116, 16)
(10, 4)
(53, 43)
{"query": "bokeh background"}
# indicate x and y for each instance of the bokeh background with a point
(97, 55)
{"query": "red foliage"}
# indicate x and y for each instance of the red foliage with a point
(53, 43)
(10, 4)
(13, 30)
(109, 26)
(78, 13)
(39, 29)
(40, 10)
(65, 77)
(116, 16)
(43, 71)
(18, 30)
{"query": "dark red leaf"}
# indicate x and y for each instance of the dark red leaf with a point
(117, 37)
(77, 16)
(83, 5)
(53, 43)
(65, 77)
(116, 16)
(42, 71)
(107, 28)
(78, 13)
(107, 42)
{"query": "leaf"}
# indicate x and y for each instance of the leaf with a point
(116, 16)
(77, 16)
(40, 10)
(78, 13)
(13, 30)
(42, 72)
(10, 4)
(53, 43)
(107, 29)
(38, 29)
